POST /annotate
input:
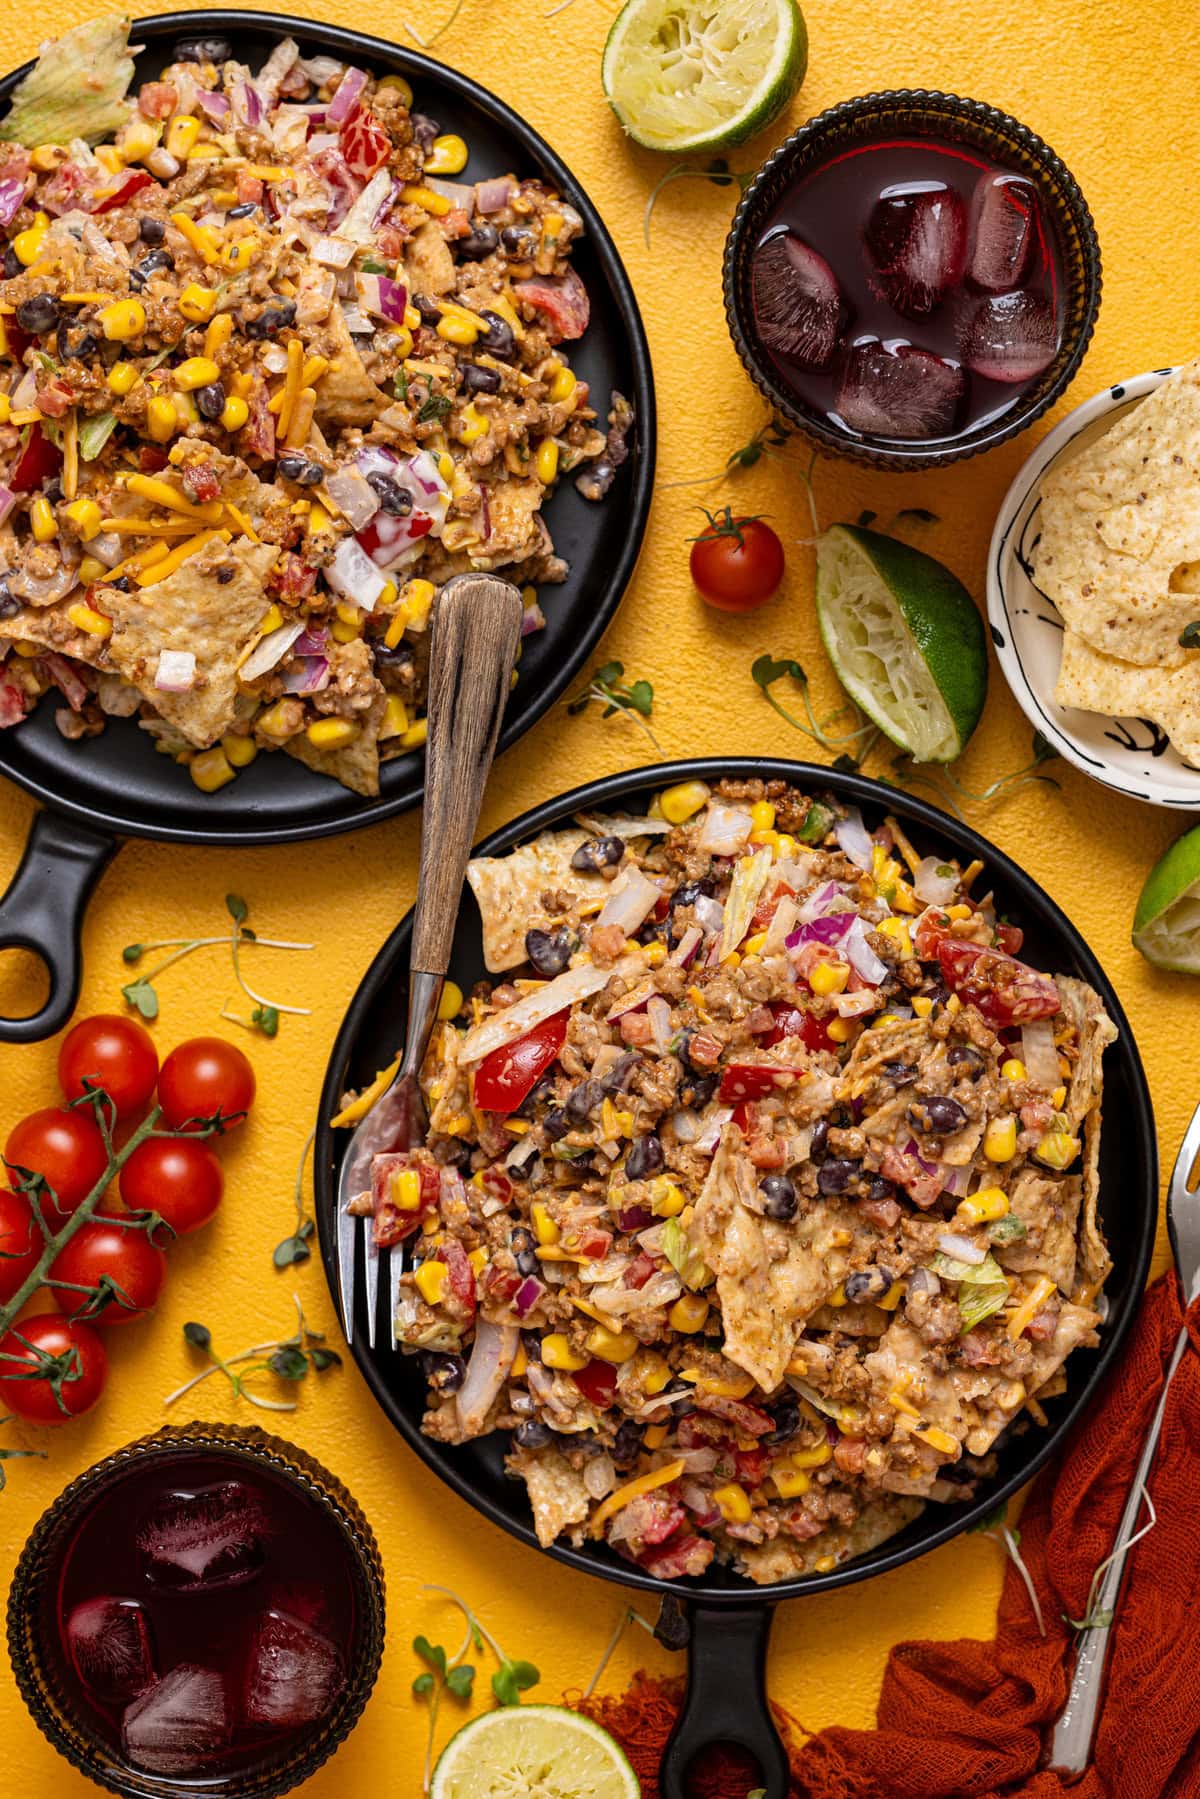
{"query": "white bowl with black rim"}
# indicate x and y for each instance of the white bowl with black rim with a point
(1133, 756)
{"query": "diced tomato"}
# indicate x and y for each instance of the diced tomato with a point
(767, 907)
(364, 143)
(12, 704)
(684, 1554)
(157, 99)
(393, 1222)
(1004, 990)
(697, 1431)
(597, 1382)
(743, 1117)
(563, 300)
(132, 184)
(639, 1271)
(1009, 938)
(501, 1284)
(460, 1276)
(292, 578)
(200, 482)
(69, 189)
(390, 241)
(921, 1186)
(752, 1465)
(749, 1080)
(54, 397)
(496, 1184)
(151, 460)
(18, 341)
(885, 1213)
(590, 1242)
(509, 1074)
(66, 680)
(259, 430)
(747, 1420)
(928, 932)
(37, 461)
(249, 188)
(792, 1021)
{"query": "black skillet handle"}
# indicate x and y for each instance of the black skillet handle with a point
(726, 1699)
(43, 912)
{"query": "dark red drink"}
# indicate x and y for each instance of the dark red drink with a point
(206, 1615)
(909, 290)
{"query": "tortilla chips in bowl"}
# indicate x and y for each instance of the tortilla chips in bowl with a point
(1094, 587)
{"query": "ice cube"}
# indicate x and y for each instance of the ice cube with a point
(916, 243)
(109, 1641)
(208, 1537)
(180, 1723)
(293, 1673)
(900, 392)
(1008, 337)
(798, 306)
(1005, 224)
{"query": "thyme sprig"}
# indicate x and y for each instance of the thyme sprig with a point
(288, 1358)
(606, 685)
(142, 994)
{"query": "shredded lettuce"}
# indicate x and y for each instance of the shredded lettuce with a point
(94, 433)
(687, 1262)
(982, 1287)
(745, 890)
(76, 89)
(1008, 1229)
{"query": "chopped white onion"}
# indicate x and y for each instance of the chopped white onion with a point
(564, 990)
(853, 1005)
(710, 913)
(853, 839)
(1039, 1054)
(631, 899)
(492, 1356)
(710, 1136)
(862, 957)
(658, 1011)
(725, 830)
(961, 1249)
(334, 252)
(352, 574)
(176, 671)
(782, 924)
(269, 650)
(359, 223)
(686, 1125)
(933, 886)
(353, 495)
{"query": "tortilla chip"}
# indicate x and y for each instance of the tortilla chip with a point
(192, 610)
(508, 891)
(346, 394)
(556, 1493)
(1049, 1210)
(1118, 522)
(784, 1558)
(1169, 696)
(356, 764)
(1082, 1005)
(51, 629)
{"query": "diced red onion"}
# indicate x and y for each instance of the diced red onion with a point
(631, 899)
(961, 1249)
(352, 574)
(821, 901)
(269, 650)
(527, 1295)
(346, 98)
(686, 1125)
(357, 323)
(359, 222)
(12, 195)
(493, 195)
(955, 1181)
(532, 619)
(176, 671)
(687, 946)
(492, 1356)
(216, 106)
(459, 193)
(310, 674)
(1039, 1054)
(635, 1218)
(322, 140)
(8, 500)
(385, 298)
(710, 913)
(247, 103)
(853, 839)
(376, 459)
(353, 494)
(658, 1012)
(862, 957)
(933, 888)
(725, 831)
(710, 1136)
(829, 930)
(311, 642)
(25, 392)
(107, 547)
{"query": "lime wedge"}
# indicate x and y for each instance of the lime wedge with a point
(532, 1752)
(1166, 924)
(689, 75)
(905, 638)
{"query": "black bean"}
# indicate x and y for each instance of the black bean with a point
(273, 317)
(697, 1089)
(820, 1139)
(787, 1422)
(451, 1152)
(532, 1341)
(53, 489)
(428, 308)
(12, 266)
(210, 401)
(531, 1433)
(628, 1443)
(8, 604)
(122, 584)
(499, 338)
(480, 381)
(838, 1174)
(479, 242)
(550, 951)
(527, 1263)
(901, 1074)
(38, 314)
(391, 496)
(938, 1115)
(399, 657)
(301, 470)
(598, 852)
(290, 466)
(243, 211)
(556, 1124)
(225, 573)
(780, 1196)
(645, 1157)
(595, 478)
(967, 1059)
(621, 1073)
(141, 271)
(518, 240)
(425, 130)
(81, 343)
(583, 1100)
(444, 1373)
(151, 230)
(690, 892)
(868, 1283)
(880, 1189)
(203, 49)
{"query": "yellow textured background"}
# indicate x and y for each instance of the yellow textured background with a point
(1112, 91)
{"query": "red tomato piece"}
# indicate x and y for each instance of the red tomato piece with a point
(112, 1052)
(752, 1465)
(639, 1271)
(120, 1262)
(460, 1277)
(597, 1382)
(930, 928)
(748, 1080)
(736, 563)
(36, 462)
(1004, 990)
(205, 1077)
(51, 1369)
(20, 1243)
(178, 1177)
(63, 1145)
(364, 144)
(793, 1021)
(1009, 938)
(133, 184)
(506, 1077)
(393, 1221)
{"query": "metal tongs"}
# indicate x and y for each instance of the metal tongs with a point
(475, 634)
(1071, 1743)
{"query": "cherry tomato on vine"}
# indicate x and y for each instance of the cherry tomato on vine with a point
(20, 1242)
(180, 1178)
(736, 563)
(106, 1254)
(202, 1076)
(112, 1052)
(65, 1146)
(51, 1369)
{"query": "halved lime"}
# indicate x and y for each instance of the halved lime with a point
(1166, 924)
(691, 75)
(532, 1752)
(905, 638)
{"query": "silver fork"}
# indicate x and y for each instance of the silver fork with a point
(1071, 1743)
(476, 630)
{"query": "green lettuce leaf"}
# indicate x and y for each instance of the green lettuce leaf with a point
(745, 891)
(94, 433)
(982, 1287)
(687, 1262)
(76, 89)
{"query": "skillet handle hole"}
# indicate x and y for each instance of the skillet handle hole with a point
(24, 983)
(740, 1772)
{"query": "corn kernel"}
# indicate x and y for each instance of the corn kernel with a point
(682, 801)
(825, 1564)
(1000, 1140)
(123, 320)
(395, 719)
(86, 618)
(138, 138)
(840, 1030)
(275, 721)
(762, 815)
(91, 569)
(181, 137)
(897, 930)
(5, 402)
(689, 1313)
(332, 733)
(28, 244)
(47, 157)
(185, 409)
(790, 1484)
(398, 86)
(451, 1002)
(123, 377)
(162, 420)
(478, 1259)
(546, 461)
(430, 1281)
(405, 1190)
(544, 1227)
(41, 517)
(234, 413)
(414, 738)
(983, 1207)
(922, 1005)
(419, 596)
(829, 977)
(1058, 1098)
(612, 1346)
(447, 156)
(85, 515)
(837, 1297)
(457, 328)
(557, 1353)
(811, 1458)
(734, 1503)
(471, 425)
(211, 770)
(655, 1436)
(240, 751)
(561, 389)
(197, 371)
(198, 303)
(892, 1297)
(1013, 1070)
(1057, 1149)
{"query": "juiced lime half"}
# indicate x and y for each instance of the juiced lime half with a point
(532, 1752)
(905, 638)
(1166, 925)
(690, 75)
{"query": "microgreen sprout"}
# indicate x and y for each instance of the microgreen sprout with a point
(295, 1248)
(994, 1524)
(16, 1455)
(850, 747)
(606, 685)
(1097, 1617)
(911, 774)
(289, 1358)
(717, 171)
(142, 994)
(628, 1616)
(451, 1673)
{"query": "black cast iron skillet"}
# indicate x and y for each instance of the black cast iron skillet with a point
(730, 1618)
(115, 785)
